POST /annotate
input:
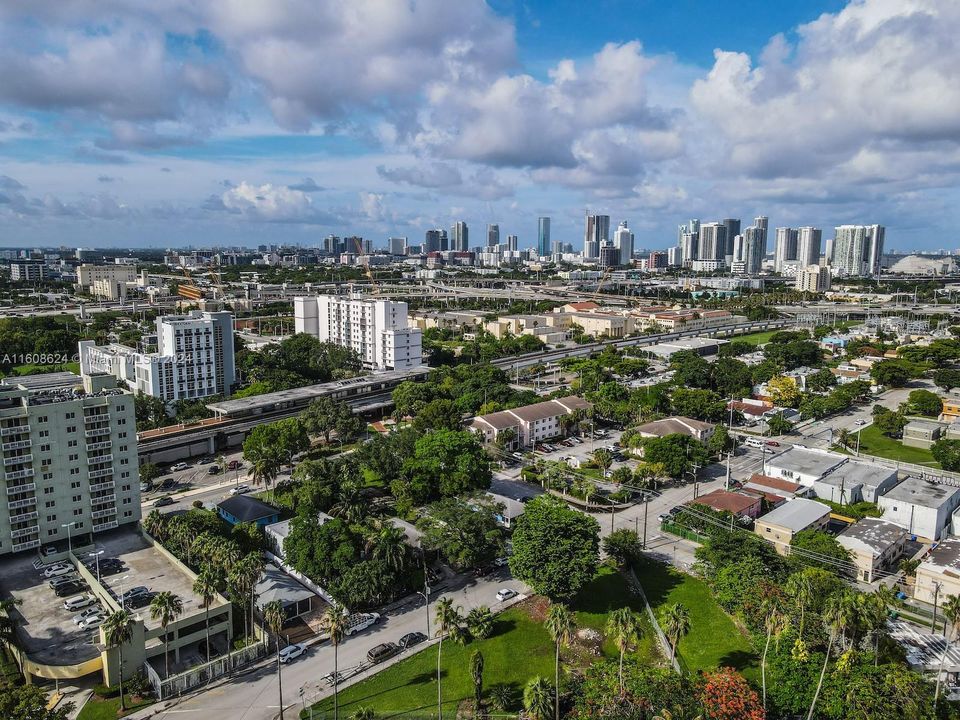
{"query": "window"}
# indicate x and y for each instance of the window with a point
(75, 484)
(71, 428)
(77, 511)
(44, 448)
(44, 433)
(74, 471)
(51, 518)
(42, 418)
(48, 491)
(71, 443)
(50, 504)
(74, 457)
(77, 498)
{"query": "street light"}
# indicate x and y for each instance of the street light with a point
(97, 556)
(69, 542)
(123, 604)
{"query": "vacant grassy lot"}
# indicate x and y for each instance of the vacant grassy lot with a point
(873, 442)
(519, 650)
(757, 338)
(714, 640)
(98, 709)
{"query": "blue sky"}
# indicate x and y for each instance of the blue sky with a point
(245, 121)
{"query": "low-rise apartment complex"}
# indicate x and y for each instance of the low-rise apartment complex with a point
(530, 424)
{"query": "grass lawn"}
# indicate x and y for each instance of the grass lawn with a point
(873, 442)
(757, 338)
(99, 709)
(519, 650)
(714, 640)
(20, 370)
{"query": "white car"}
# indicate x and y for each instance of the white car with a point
(505, 594)
(240, 490)
(88, 613)
(94, 621)
(360, 621)
(57, 571)
(80, 601)
(291, 652)
(179, 466)
(861, 421)
(501, 562)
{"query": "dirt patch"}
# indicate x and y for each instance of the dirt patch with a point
(536, 607)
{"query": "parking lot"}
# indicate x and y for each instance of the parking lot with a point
(48, 633)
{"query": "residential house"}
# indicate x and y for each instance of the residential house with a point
(697, 429)
(512, 509)
(529, 424)
(244, 509)
(951, 409)
(781, 525)
(922, 507)
(738, 504)
(295, 599)
(276, 533)
(752, 410)
(875, 545)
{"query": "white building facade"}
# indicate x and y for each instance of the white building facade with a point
(378, 330)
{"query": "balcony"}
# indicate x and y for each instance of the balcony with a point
(103, 500)
(103, 472)
(14, 430)
(16, 445)
(17, 460)
(26, 502)
(95, 459)
(29, 545)
(97, 432)
(104, 513)
(89, 419)
(99, 445)
(26, 487)
(100, 528)
(23, 532)
(23, 517)
(100, 487)
(19, 474)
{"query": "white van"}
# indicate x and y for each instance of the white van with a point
(360, 621)
(754, 442)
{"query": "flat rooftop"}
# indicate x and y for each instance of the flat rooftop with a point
(925, 493)
(860, 473)
(45, 381)
(806, 462)
(797, 514)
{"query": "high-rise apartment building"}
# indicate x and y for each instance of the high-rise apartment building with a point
(623, 241)
(674, 256)
(813, 278)
(431, 241)
(754, 249)
(597, 229)
(69, 460)
(194, 358)
(460, 237)
(785, 247)
(713, 241)
(543, 237)
(733, 229)
(689, 247)
(378, 330)
(808, 246)
(493, 235)
(512, 242)
(397, 246)
(857, 249)
(28, 270)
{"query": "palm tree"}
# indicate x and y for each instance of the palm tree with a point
(843, 437)
(536, 699)
(166, 607)
(476, 672)
(561, 626)
(206, 587)
(480, 622)
(448, 623)
(351, 505)
(837, 615)
(264, 471)
(624, 626)
(363, 713)
(117, 631)
(8, 625)
(389, 545)
(775, 622)
(274, 616)
(676, 622)
(335, 625)
(155, 525)
(951, 611)
(800, 587)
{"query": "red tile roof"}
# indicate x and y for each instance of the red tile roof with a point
(721, 500)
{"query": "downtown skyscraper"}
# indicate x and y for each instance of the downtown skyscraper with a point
(459, 237)
(543, 237)
(596, 230)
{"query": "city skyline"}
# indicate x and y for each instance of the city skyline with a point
(187, 125)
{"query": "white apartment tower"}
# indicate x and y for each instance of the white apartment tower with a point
(69, 460)
(813, 278)
(194, 358)
(713, 241)
(785, 248)
(377, 330)
(623, 241)
(808, 246)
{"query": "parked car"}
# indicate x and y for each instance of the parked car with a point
(146, 487)
(240, 490)
(69, 577)
(213, 470)
(138, 601)
(163, 501)
(234, 465)
(89, 612)
(57, 570)
(139, 590)
(49, 550)
(359, 622)
(861, 421)
(381, 652)
(167, 483)
(773, 443)
(78, 602)
(68, 589)
(411, 639)
(180, 466)
(292, 652)
(505, 594)
(501, 562)
(94, 621)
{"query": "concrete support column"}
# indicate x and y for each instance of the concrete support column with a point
(211, 445)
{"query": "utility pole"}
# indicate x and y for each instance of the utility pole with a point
(936, 593)
(645, 506)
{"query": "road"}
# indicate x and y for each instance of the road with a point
(253, 695)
